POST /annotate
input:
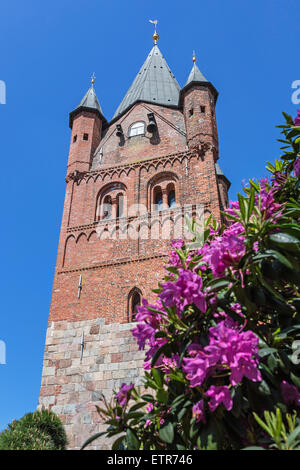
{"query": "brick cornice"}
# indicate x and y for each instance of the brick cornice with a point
(78, 176)
(107, 263)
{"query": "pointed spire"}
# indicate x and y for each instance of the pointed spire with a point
(196, 76)
(88, 103)
(155, 83)
(90, 100)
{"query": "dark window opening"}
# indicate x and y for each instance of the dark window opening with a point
(158, 200)
(74, 138)
(202, 109)
(85, 137)
(171, 199)
(191, 112)
(107, 208)
(135, 302)
(119, 205)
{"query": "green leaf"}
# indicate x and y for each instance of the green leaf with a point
(262, 424)
(116, 445)
(158, 377)
(292, 437)
(296, 380)
(266, 351)
(264, 388)
(167, 433)
(285, 241)
(162, 396)
(242, 205)
(92, 438)
(208, 438)
(253, 448)
(251, 203)
(137, 406)
(132, 440)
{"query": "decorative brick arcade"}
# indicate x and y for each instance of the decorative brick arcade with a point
(128, 184)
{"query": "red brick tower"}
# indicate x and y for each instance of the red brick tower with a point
(129, 182)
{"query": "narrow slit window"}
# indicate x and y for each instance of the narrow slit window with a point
(85, 137)
(158, 201)
(171, 198)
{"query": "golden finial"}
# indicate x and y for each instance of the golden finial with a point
(93, 77)
(155, 35)
(194, 57)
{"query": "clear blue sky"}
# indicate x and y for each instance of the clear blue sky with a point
(249, 50)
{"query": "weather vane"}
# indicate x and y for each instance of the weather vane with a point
(194, 57)
(155, 35)
(93, 77)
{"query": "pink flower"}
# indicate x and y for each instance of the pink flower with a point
(290, 393)
(225, 250)
(229, 349)
(268, 206)
(144, 332)
(198, 412)
(237, 308)
(297, 118)
(297, 166)
(219, 395)
(124, 394)
(149, 407)
(147, 423)
(170, 363)
(186, 290)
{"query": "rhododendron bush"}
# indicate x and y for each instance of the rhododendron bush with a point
(222, 339)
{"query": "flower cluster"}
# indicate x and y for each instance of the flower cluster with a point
(290, 393)
(297, 167)
(297, 118)
(144, 333)
(123, 395)
(225, 250)
(266, 200)
(186, 290)
(229, 350)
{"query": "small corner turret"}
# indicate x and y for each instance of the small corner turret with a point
(86, 122)
(198, 99)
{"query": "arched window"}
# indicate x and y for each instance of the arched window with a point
(107, 207)
(134, 300)
(171, 198)
(138, 128)
(158, 199)
(120, 204)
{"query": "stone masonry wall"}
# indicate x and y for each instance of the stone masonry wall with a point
(71, 388)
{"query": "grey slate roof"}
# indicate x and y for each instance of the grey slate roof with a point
(220, 173)
(195, 76)
(88, 102)
(155, 83)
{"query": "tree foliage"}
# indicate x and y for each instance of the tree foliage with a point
(40, 430)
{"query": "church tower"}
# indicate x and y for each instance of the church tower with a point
(130, 183)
